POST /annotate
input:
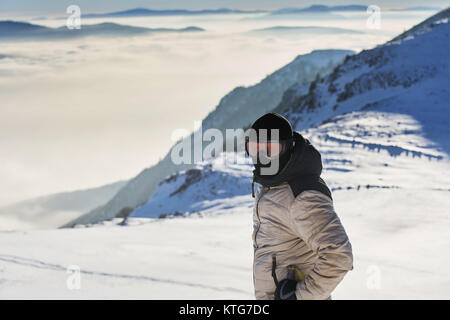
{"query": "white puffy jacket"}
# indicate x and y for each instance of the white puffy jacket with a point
(302, 231)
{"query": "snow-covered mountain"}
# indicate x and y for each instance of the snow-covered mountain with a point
(407, 75)
(391, 99)
(207, 185)
(51, 211)
(235, 110)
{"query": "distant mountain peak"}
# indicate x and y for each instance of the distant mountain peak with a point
(321, 8)
(425, 26)
(135, 12)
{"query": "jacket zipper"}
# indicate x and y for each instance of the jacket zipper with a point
(257, 215)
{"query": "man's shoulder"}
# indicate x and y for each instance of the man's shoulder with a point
(302, 184)
(312, 204)
(280, 194)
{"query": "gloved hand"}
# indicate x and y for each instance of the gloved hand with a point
(286, 290)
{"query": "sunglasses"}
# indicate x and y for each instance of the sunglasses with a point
(269, 148)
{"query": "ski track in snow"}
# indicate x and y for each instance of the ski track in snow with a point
(56, 267)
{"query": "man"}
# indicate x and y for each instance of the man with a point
(301, 250)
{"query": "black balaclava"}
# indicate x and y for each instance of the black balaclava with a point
(274, 121)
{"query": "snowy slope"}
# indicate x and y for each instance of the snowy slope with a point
(210, 184)
(195, 258)
(249, 102)
(392, 201)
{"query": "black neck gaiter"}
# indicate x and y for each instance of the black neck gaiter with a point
(304, 160)
(283, 159)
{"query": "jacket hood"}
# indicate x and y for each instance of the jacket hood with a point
(305, 160)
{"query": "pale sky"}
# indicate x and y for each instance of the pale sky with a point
(57, 6)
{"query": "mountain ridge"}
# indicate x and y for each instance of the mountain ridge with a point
(11, 30)
(146, 12)
(142, 12)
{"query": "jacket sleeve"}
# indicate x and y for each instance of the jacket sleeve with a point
(314, 220)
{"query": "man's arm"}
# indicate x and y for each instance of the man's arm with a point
(315, 222)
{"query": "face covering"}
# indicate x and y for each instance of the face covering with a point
(269, 157)
(270, 143)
